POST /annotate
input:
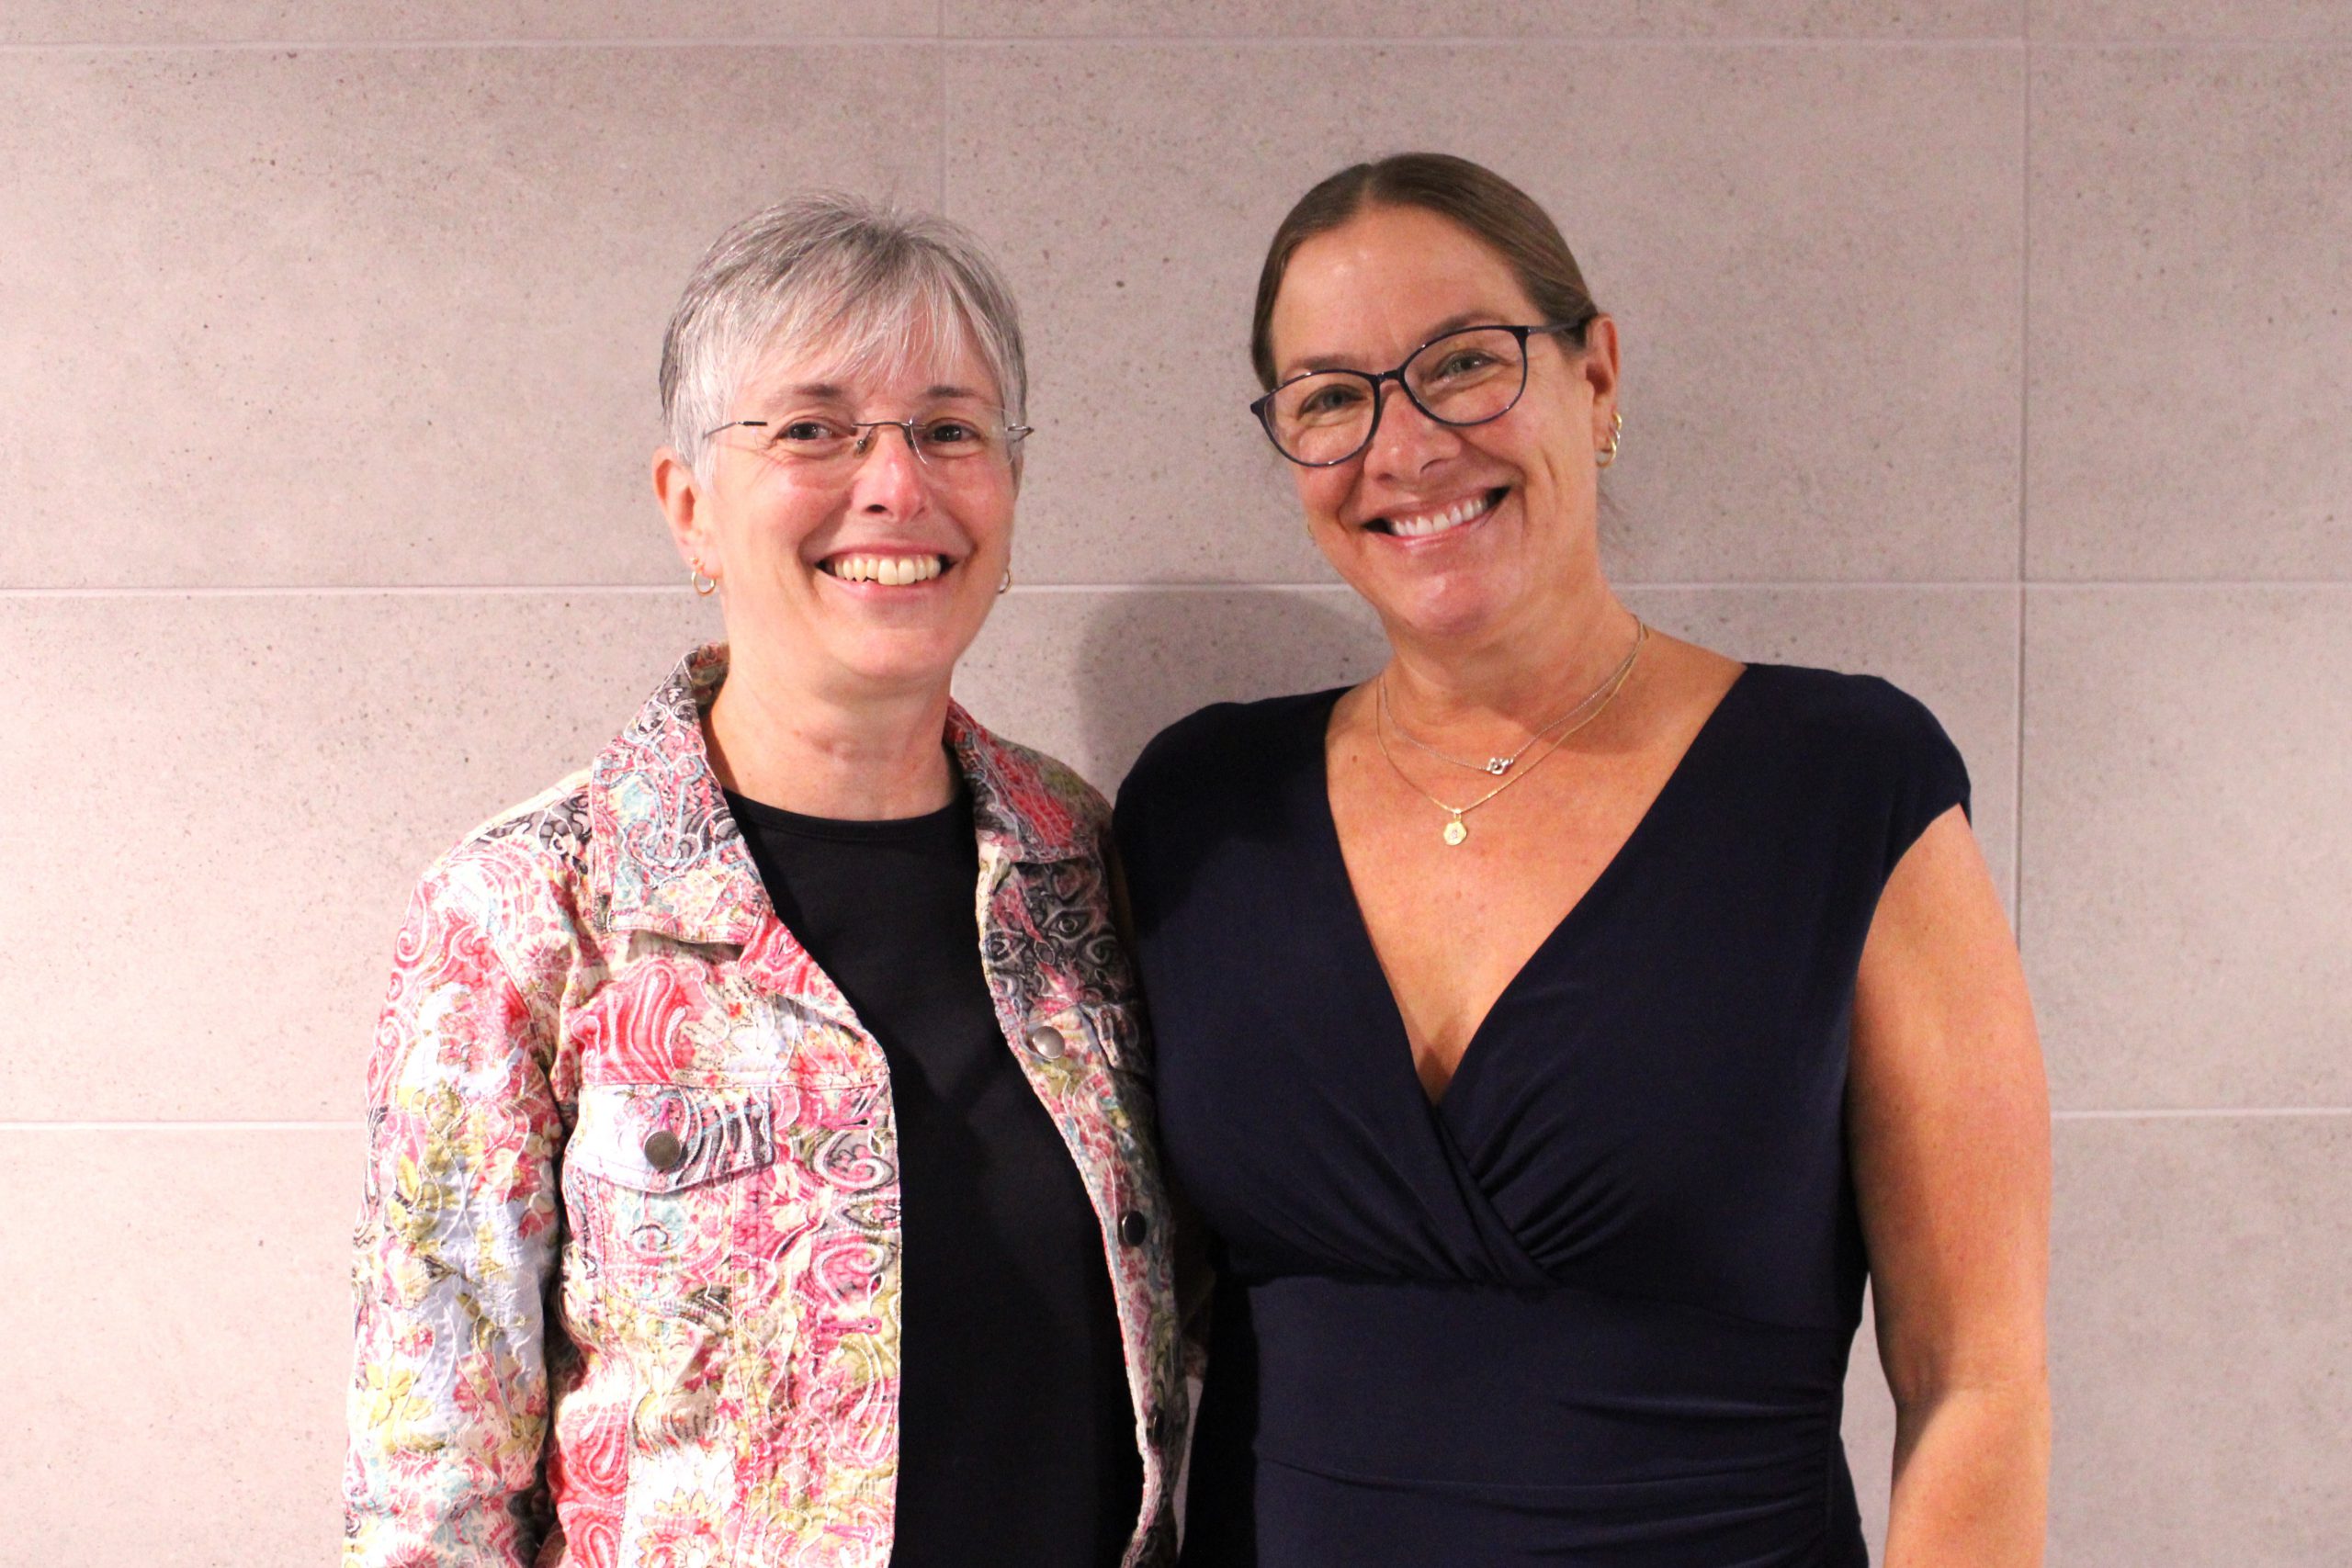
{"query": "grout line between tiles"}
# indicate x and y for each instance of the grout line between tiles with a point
(939, 57)
(1204, 42)
(347, 590)
(2151, 1113)
(1022, 40)
(1514, 40)
(2025, 470)
(1648, 40)
(400, 46)
(488, 590)
(2201, 1113)
(2218, 45)
(181, 1126)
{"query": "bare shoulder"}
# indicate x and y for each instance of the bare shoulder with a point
(1676, 685)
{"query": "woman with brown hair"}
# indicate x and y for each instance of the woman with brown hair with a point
(1555, 1031)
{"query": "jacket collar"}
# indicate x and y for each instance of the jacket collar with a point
(665, 855)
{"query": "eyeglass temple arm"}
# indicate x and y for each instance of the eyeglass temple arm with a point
(1011, 432)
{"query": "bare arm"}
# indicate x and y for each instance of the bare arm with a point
(1950, 1122)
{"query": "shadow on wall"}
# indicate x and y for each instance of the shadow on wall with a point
(1148, 657)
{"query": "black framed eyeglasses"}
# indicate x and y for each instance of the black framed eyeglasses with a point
(1467, 377)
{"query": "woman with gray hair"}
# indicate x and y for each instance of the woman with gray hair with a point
(757, 1165)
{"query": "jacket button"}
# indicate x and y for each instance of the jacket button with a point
(1133, 1227)
(1046, 1040)
(664, 1150)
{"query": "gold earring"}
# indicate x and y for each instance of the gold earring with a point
(706, 586)
(1005, 584)
(1607, 455)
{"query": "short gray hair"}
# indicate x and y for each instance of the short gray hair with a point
(865, 278)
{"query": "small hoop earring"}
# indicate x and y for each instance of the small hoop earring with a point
(1006, 584)
(706, 586)
(1607, 455)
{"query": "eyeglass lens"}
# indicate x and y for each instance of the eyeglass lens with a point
(827, 443)
(1465, 377)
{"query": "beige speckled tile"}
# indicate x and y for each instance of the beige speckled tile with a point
(385, 316)
(2185, 858)
(2215, 21)
(178, 1341)
(2192, 362)
(218, 806)
(1814, 254)
(1090, 676)
(454, 21)
(1356, 19)
(2200, 1352)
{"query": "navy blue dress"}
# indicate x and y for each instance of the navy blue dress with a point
(1593, 1307)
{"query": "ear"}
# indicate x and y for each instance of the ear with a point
(678, 490)
(1598, 366)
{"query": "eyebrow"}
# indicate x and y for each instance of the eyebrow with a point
(1453, 323)
(831, 391)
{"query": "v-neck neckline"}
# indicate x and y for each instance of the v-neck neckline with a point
(1326, 829)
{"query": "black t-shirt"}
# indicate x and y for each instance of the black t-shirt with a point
(1017, 1436)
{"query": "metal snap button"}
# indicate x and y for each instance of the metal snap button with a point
(663, 1150)
(1046, 1040)
(1132, 1228)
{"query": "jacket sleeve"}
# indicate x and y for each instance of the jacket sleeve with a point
(454, 1254)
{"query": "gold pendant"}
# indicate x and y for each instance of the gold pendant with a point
(1456, 831)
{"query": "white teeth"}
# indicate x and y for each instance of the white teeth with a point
(1453, 516)
(891, 572)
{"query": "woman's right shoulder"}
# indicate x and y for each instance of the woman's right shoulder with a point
(1227, 745)
(520, 877)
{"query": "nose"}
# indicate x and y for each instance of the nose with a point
(1406, 441)
(891, 478)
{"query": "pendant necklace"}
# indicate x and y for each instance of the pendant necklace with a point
(1498, 766)
(1456, 829)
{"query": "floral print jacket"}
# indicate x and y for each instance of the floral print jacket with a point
(627, 1256)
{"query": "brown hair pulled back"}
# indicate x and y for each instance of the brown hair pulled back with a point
(1482, 201)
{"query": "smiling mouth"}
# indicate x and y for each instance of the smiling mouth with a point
(890, 571)
(1428, 525)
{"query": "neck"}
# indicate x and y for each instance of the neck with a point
(1512, 678)
(826, 751)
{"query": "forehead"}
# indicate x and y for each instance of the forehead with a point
(912, 352)
(1382, 283)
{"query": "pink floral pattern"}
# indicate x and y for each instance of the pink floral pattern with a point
(627, 1266)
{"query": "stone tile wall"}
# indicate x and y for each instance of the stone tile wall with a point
(2000, 347)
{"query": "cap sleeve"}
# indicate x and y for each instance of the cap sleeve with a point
(1927, 775)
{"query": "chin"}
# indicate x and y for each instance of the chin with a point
(1447, 608)
(899, 663)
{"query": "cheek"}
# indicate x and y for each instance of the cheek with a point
(984, 514)
(1322, 493)
(783, 514)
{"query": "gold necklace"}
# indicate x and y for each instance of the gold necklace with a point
(1456, 829)
(1498, 766)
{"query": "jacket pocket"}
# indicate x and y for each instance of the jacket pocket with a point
(659, 1183)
